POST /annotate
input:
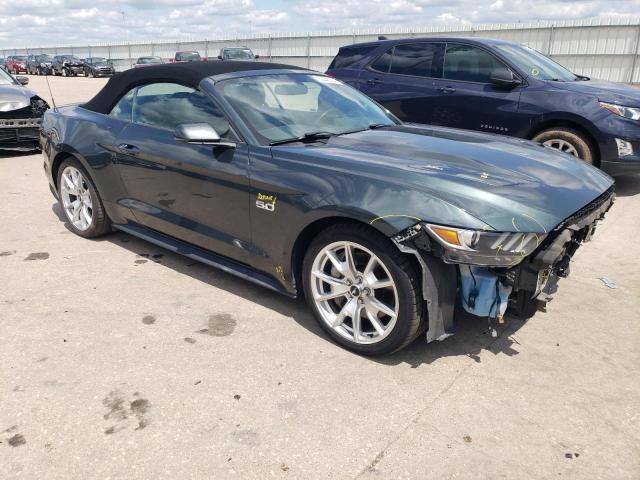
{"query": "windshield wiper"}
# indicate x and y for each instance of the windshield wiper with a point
(309, 136)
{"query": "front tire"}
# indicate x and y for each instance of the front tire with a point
(568, 141)
(363, 291)
(80, 201)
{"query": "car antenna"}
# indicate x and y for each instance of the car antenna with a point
(55, 109)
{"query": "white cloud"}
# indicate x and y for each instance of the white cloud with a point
(32, 23)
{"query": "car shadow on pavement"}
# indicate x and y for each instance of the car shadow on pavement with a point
(12, 154)
(470, 339)
(628, 185)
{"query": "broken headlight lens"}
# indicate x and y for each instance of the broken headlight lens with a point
(10, 106)
(626, 112)
(486, 248)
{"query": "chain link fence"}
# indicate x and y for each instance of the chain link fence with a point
(606, 49)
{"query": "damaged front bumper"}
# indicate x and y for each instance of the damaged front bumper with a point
(20, 134)
(486, 290)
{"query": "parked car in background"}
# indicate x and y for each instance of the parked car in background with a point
(299, 183)
(98, 67)
(147, 61)
(500, 87)
(67, 65)
(39, 64)
(21, 113)
(16, 64)
(187, 56)
(237, 53)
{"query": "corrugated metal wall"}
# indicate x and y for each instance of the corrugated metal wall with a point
(607, 49)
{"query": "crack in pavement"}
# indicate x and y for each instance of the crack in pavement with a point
(378, 458)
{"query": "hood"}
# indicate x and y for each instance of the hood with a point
(464, 178)
(16, 93)
(604, 91)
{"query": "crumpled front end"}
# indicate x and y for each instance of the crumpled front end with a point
(493, 271)
(19, 127)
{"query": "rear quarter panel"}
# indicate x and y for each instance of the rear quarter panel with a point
(88, 137)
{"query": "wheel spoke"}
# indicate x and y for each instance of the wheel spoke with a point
(339, 266)
(86, 215)
(350, 262)
(376, 284)
(375, 322)
(346, 311)
(370, 266)
(76, 210)
(377, 306)
(336, 292)
(328, 278)
(356, 322)
(69, 186)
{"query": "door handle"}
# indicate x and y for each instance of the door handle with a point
(446, 89)
(128, 148)
(374, 81)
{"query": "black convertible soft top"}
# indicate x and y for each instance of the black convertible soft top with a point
(187, 73)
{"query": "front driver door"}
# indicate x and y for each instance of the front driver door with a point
(197, 193)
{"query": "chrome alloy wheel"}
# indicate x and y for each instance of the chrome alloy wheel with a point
(76, 198)
(354, 292)
(562, 145)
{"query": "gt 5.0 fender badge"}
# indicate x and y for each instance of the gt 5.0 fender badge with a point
(266, 202)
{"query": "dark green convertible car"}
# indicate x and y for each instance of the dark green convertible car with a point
(293, 180)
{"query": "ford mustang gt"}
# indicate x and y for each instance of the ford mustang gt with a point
(295, 181)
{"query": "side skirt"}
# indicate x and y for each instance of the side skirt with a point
(205, 256)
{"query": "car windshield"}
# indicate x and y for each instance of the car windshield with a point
(149, 60)
(20, 59)
(97, 60)
(238, 53)
(288, 106)
(189, 56)
(5, 78)
(536, 64)
(70, 59)
(43, 58)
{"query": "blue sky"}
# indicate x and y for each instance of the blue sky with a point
(75, 22)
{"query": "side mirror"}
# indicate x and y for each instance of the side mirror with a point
(201, 133)
(22, 80)
(504, 77)
(219, 57)
(256, 56)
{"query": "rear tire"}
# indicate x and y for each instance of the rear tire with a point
(384, 292)
(80, 201)
(569, 141)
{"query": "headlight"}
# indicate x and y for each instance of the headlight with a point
(478, 247)
(9, 106)
(632, 113)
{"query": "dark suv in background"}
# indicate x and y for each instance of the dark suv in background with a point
(500, 87)
(67, 65)
(39, 64)
(98, 67)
